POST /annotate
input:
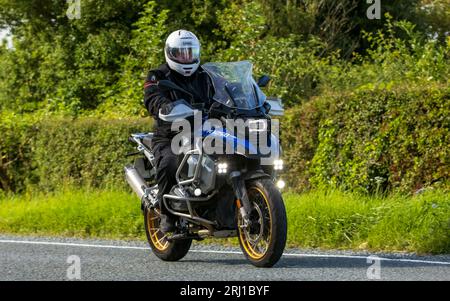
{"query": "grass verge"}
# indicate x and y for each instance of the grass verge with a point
(317, 219)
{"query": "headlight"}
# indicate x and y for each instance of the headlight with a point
(281, 184)
(278, 164)
(222, 168)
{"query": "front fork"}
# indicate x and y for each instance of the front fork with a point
(243, 203)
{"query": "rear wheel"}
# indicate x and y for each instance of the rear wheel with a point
(264, 240)
(161, 246)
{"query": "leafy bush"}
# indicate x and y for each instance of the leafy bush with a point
(63, 151)
(97, 64)
(397, 54)
(371, 140)
(294, 65)
(17, 135)
(86, 152)
(390, 61)
(146, 53)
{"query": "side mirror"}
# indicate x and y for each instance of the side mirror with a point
(263, 81)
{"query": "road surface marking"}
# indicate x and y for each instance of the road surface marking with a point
(218, 252)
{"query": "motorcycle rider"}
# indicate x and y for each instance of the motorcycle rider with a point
(182, 67)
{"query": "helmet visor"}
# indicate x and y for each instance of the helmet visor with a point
(185, 55)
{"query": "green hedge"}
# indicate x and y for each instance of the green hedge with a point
(47, 154)
(16, 139)
(372, 141)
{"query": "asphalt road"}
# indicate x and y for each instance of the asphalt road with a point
(28, 258)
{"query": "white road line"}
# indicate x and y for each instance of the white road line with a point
(30, 242)
(50, 243)
(336, 256)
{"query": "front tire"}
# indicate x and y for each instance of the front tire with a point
(161, 247)
(264, 241)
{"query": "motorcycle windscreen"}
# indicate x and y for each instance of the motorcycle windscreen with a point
(234, 85)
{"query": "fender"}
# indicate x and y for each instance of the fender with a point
(256, 174)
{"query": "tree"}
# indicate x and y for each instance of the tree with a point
(62, 64)
(338, 23)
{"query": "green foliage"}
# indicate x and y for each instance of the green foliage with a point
(371, 141)
(333, 219)
(434, 18)
(96, 64)
(338, 23)
(48, 154)
(392, 60)
(301, 69)
(420, 224)
(299, 137)
(75, 213)
(317, 219)
(59, 64)
(351, 123)
(294, 65)
(146, 52)
(16, 151)
(86, 152)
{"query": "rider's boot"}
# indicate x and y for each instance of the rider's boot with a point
(167, 223)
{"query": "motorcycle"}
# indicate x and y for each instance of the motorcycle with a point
(219, 194)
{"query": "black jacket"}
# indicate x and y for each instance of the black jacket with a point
(198, 84)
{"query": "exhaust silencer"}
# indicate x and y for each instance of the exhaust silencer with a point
(135, 180)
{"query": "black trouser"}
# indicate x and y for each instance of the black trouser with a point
(166, 168)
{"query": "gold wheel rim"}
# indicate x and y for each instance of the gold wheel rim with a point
(159, 239)
(251, 246)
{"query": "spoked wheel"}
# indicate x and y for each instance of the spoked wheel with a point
(161, 246)
(263, 241)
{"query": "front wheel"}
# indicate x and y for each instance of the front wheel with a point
(264, 240)
(163, 248)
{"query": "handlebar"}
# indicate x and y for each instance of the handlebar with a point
(183, 110)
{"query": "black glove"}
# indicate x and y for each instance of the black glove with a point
(166, 108)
